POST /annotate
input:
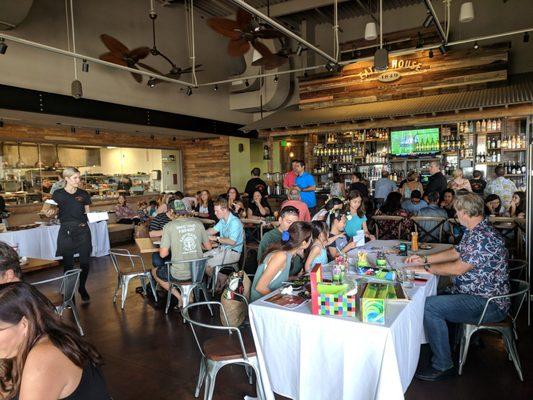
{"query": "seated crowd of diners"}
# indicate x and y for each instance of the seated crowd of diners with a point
(49, 355)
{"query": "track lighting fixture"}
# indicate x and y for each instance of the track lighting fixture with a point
(3, 46)
(419, 41)
(428, 21)
(72, 129)
(371, 31)
(215, 88)
(85, 66)
(97, 131)
(188, 92)
(442, 49)
(525, 39)
(332, 67)
(430, 54)
(246, 83)
(152, 137)
(151, 82)
(476, 46)
(276, 79)
(299, 50)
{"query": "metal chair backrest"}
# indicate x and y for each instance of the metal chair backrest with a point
(517, 268)
(517, 295)
(426, 227)
(388, 231)
(69, 284)
(196, 267)
(194, 323)
(121, 256)
(505, 225)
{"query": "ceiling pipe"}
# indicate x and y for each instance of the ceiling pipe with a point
(281, 28)
(431, 10)
(91, 59)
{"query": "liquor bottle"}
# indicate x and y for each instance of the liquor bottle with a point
(478, 126)
(483, 126)
(498, 143)
(513, 142)
(498, 157)
(505, 143)
(513, 169)
(523, 168)
(493, 125)
(499, 125)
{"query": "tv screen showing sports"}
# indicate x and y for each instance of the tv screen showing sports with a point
(414, 141)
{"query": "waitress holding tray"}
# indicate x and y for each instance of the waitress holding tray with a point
(74, 233)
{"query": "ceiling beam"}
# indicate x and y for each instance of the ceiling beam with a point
(296, 6)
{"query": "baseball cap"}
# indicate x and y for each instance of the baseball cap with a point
(178, 206)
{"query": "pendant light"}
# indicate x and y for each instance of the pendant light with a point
(57, 164)
(467, 12)
(371, 31)
(381, 56)
(39, 163)
(20, 163)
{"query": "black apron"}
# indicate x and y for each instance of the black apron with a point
(73, 237)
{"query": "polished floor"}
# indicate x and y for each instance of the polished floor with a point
(149, 355)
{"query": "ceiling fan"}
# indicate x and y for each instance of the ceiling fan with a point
(243, 32)
(175, 71)
(121, 55)
(271, 60)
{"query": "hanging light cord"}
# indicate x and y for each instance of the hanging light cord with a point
(380, 24)
(73, 40)
(336, 46)
(190, 39)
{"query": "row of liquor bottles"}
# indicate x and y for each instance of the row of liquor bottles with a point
(344, 149)
(370, 158)
(507, 142)
(484, 125)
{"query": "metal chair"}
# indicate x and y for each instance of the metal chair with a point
(237, 347)
(519, 291)
(69, 285)
(223, 266)
(517, 268)
(394, 231)
(197, 269)
(456, 230)
(429, 228)
(128, 270)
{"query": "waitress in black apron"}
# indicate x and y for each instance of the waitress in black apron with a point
(74, 233)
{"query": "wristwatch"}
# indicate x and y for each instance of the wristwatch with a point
(427, 267)
(425, 259)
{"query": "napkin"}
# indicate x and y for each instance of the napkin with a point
(287, 290)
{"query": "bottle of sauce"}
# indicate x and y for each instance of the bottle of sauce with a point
(414, 241)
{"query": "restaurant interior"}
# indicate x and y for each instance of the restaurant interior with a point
(203, 127)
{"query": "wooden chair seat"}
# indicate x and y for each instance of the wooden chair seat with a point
(227, 347)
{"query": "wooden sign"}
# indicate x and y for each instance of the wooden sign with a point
(411, 75)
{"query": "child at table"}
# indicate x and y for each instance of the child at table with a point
(338, 239)
(355, 217)
(318, 253)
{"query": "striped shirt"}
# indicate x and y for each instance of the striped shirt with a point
(159, 222)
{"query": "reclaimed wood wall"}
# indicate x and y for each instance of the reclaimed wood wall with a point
(411, 75)
(206, 162)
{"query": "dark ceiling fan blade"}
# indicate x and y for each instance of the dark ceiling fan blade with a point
(113, 58)
(243, 18)
(113, 44)
(262, 49)
(139, 53)
(268, 33)
(137, 77)
(275, 62)
(237, 48)
(145, 66)
(225, 27)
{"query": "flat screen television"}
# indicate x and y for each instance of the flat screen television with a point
(405, 142)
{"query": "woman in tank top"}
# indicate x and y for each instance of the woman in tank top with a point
(41, 357)
(276, 264)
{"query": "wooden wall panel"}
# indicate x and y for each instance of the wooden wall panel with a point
(206, 165)
(419, 75)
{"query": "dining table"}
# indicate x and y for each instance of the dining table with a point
(306, 356)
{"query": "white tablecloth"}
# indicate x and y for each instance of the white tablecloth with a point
(305, 356)
(41, 242)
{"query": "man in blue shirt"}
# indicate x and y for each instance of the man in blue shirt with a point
(415, 203)
(382, 188)
(479, 270)
(230, 239)
(307, 185)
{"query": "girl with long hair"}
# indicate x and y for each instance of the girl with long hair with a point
(356, 218)
(411, 184)
(493, 205)
(276, 264)
(333, 203)
(459, 182)
(232, 195)
(338, 241)
(124, 213)
(258, 207)
(318, 253)
(518, 205)
(205, 208)
(41, 357)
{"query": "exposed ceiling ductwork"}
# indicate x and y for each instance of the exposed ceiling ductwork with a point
(13, 12)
